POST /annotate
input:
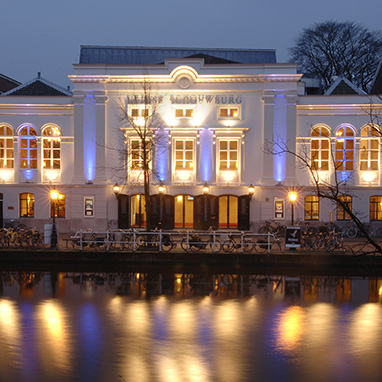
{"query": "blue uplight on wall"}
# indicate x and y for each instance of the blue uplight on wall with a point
(206, 155)
(280, 137)
(89, 138)
(161, 157)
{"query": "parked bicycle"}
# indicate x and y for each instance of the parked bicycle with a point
(195, 242)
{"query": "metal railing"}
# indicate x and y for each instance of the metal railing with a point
(165, 241)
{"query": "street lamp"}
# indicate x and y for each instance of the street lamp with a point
(116, 190)
(292, 198)
(53, 238)
(251, 190)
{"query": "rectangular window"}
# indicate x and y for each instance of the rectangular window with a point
(6, 153)
(375, 207)
(229, 112)
(369, 154)
(59, 207)
(279, 208)
(28, 153)
(26, 205)
(341, 213)
(139, 112)
(228, 154)
(52, 153)
(319, 150)
(184, 154)
(311, 207)
(137, 153)
(89, 206)
(184, 113)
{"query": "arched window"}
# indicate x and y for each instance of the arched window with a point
(311, 207)
(228, 211)
(184, 211)
(26, 205)
(59, 208)
(138, 211)
(376, 207)
(370, 142)
(6, 147)
(51, 144)
(320, 148)
(28, 148)
(345, 149)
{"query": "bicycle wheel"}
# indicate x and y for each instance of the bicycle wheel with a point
(167, 244)
(228, 246)
(247, 246)
(183, 245)
(217, 246)
(261, 245)
(351, 232)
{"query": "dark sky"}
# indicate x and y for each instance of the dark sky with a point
(45, 35)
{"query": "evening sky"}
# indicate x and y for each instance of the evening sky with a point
(45, 35)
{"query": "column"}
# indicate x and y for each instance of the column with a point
(268, 109)
(78, 168)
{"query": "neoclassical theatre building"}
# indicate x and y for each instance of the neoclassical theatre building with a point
(218, 108)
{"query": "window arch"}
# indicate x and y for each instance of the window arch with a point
(6, 147)
(51, 143)
(228, 211)
(26, 205)
(369, 148)
(345, 148)
(320, 148)
(28, 147)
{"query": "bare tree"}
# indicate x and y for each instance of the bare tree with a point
(334, 189)
(334, 48)
(143, 138)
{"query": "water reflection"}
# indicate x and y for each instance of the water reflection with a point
(189, 327)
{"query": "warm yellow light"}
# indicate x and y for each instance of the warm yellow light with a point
(251, 190)
(206, 189)
(116, 188)
(161, 188)
(368, 176)
(292, 196)
(228, 176)
(180, 198)
(54, 194)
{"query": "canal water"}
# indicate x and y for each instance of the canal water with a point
(189, 327)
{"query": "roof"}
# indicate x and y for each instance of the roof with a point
(133, 55)
(342, 86)
(7, 83)
(376, 87)
(38, 87)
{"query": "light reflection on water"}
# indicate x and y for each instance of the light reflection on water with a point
(144, 327)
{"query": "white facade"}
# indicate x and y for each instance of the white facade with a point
(215, 119)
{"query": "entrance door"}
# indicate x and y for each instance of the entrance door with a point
(123, 211)
(206, 212)
(243, 212)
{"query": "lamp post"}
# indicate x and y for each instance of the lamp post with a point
(53, 238)
(251, 190)
(292, 198)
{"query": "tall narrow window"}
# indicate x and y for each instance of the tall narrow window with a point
(345, 149)
(26, 205)
(6, 147)
(341, 213)
(139, 154)
(28, 148)
(184, 154)
(369, 148)
(59, 208)
(228, 154)
(184, 211)
(320, 148)
(138, 211)
(311, 204)
(51, 143)
(376, 207)
(228, 211)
